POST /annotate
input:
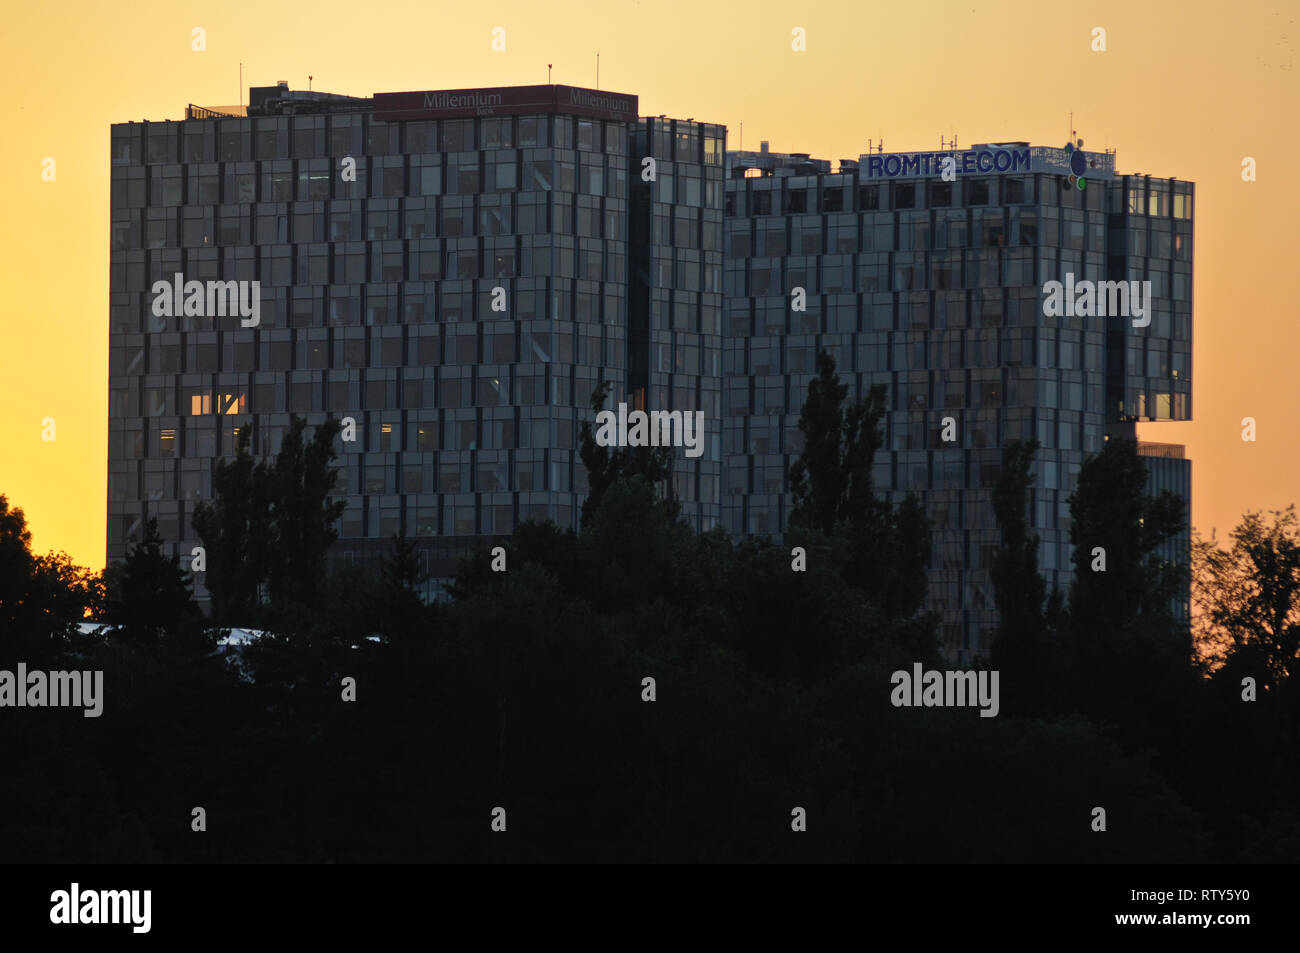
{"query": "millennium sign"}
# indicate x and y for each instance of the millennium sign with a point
(505, 101)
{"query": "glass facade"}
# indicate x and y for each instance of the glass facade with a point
(676, 305)
(1168, 470)
(459, 296)
(936, 289)
(458, 286)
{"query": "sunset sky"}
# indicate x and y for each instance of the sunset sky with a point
(1184, 89)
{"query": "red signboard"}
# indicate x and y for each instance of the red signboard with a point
(505, 101)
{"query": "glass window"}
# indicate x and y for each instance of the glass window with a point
(344, 133)
(685, 151)
(161, 147)
(503, 176)
(496, 133)
(1028, 228)
(232, 143)
(533, 132)
(277, 186)
(308, 135)
(421, 136)
(538, 175)
(1015, 191)
(198, 142)
(463, 175)
(457, 135)
(563, 132)
(977, 191)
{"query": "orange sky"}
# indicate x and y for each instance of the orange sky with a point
(1184, 89)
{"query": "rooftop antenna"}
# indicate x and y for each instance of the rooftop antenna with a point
(309, 82)
(548, 74)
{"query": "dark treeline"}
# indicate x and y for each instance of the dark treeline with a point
(527, 689)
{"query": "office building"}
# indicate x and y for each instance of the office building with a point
(934, 285)
(455, 270)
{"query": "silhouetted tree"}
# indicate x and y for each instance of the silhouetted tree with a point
(1111, 510)
(399, 611)
(834, 494)
(773, 689)
(17, 566)
(831, 478)
(150, 599)
(235, 530)
(42, 598)
(608, 464)
(1025, 647)
(1130, 659)
(271, 524)
(1248, 595)
(905, 564)
(301, 481)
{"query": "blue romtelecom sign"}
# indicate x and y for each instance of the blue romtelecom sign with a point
(982, 161)
(988, 159)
